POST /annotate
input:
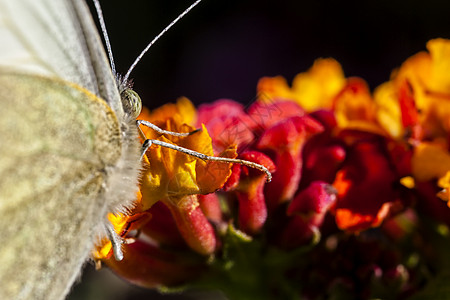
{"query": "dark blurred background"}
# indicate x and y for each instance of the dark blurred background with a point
(222, 48)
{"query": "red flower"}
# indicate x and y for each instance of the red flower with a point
(366, 184)
(250, 193)
(227, 123)
(308, 210)
(286, 140)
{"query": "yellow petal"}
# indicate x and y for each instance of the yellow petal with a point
(430, 161)
(408, 182)
(316, 88)
(440, 55)
(444, 183)
(388, 110)
(313, 89)
(270, 88)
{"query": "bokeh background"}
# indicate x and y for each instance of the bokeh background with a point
(222, 48)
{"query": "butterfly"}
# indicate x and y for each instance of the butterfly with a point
(69, 152)
(69, 147)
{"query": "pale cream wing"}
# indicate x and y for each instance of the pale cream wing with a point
(67, 158)
(56, 38)
(57, 146)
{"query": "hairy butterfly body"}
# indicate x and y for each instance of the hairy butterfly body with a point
(69, 152)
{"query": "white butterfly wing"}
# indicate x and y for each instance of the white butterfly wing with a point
(65, 159)
(56, 38)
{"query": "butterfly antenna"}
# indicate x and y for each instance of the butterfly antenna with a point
(127, 75)
(105, 35)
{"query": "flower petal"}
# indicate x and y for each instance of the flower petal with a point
(149, 266)
(430, 161)
(192, 223)
(365, 188)
(312, 90)
(250, 193)
(286, 140)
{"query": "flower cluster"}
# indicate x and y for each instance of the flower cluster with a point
(355, 209)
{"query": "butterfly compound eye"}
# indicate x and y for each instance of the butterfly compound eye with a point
(131, 102)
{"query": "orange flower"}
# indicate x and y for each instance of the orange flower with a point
(427, 75)
(354, 107)
(175, 179)
(312, 90)
(416, 104)
(324, 86)
(365, 186)
(170, 173)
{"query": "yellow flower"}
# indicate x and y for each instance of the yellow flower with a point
(416, 103)
(354, 107)
(312, 90)
(324, 86)
(427, 75)
(168, 175)
(430, 161)
(388, 111)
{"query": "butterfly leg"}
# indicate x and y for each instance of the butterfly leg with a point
(116, 241)
(162, 131)
(148, 143)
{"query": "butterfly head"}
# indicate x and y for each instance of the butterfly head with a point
(131, 102)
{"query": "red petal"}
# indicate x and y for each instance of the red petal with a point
(286, 139)
(409, 112)
(162, 227)
(192, 224)
(151, 267)
(298, 232)
(227, 123)
(365, 188)
(233, 180)
(316, 199)
(410, 116)
(252, 206)
(210, 206)
(268, 114)
(322, 155)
